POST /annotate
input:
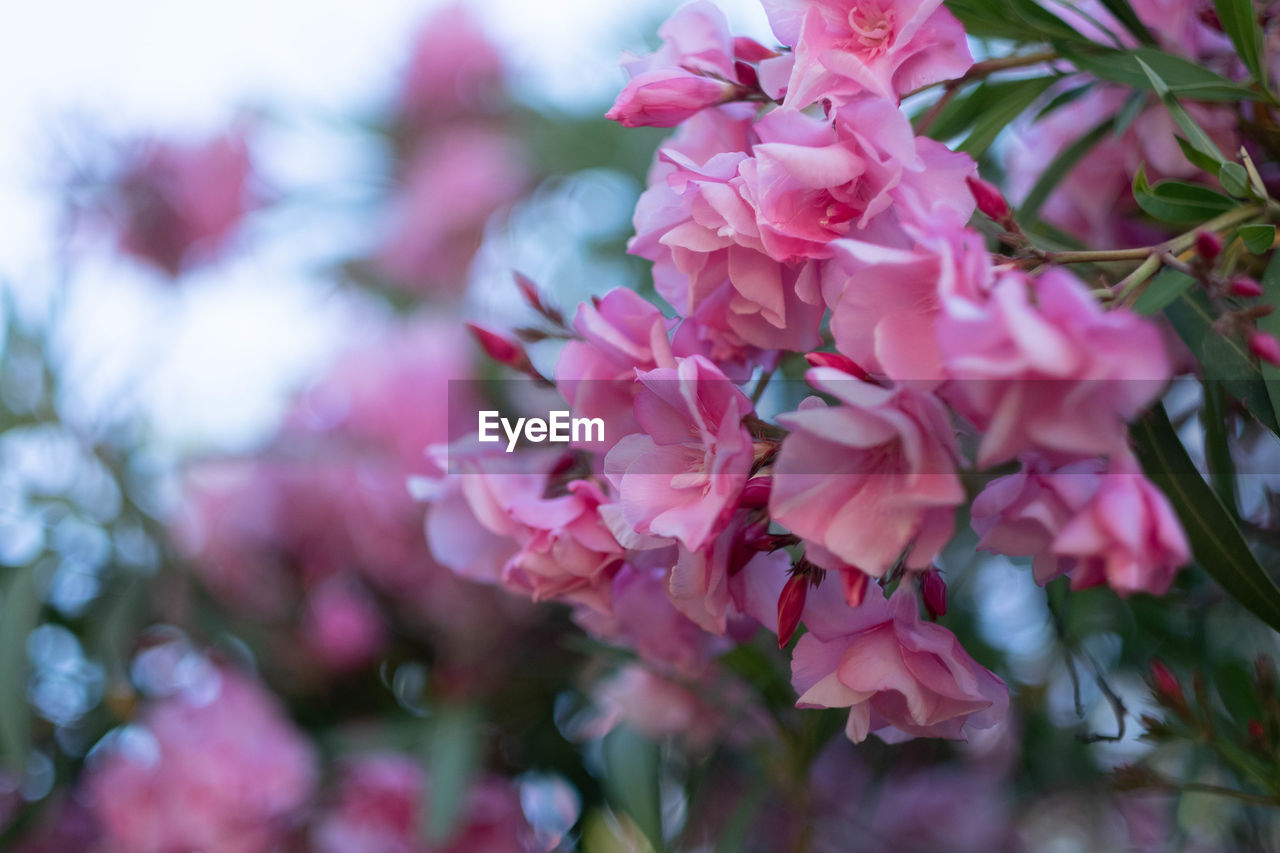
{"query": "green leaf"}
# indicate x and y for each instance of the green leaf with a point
(1271, 325)
(19, 615)
(1257, 238)
(1216, 542)
(1195, 133)
(1180, 76)
(1163, 290)
(1058, 169)
(1124, 14)
(632, 766)
(453, 757)
(1199, 159)
(1234, 179)
(1000, 111)
(1179, 203)
(1240, 21)
(1223, 359)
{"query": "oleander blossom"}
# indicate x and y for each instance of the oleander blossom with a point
(869, 477)
(845, 48)
(900, 677)
(218, 767)
(1042, 366)
(680, 478)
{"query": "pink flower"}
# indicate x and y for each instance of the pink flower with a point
(218, 768)
(692, 70)
(844, 48)
(455, 182)
(654, 706)
(1022, 514)
(899, 677)
(379, 806)
(681, 476)
(566, 550)
(870, 476)
(453, 70)
(1127, 536)
(620, 334)
(177, 205)
(1043, 366)
(886, 302)
(342, 625)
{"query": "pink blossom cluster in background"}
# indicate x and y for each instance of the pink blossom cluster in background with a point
(768, 220)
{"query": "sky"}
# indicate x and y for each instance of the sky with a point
(211, 362)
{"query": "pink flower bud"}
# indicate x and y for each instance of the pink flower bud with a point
(1265, 347)
(934, 590)
(756, 493)
(498, 348)
(791, 606)
(989, 199)
(1208, 245)
(667, 96)
(750, 50)
(838, 361)
(1245, 287)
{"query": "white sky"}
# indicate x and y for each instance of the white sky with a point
(212, 361)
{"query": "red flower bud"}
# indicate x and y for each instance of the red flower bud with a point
(791, 606)
(498, 348)
(533, 296)
(838, 361)
(750, 50)
(989, 199)
(1256, 731)
(1265, 347)
(934, 590)
(1164, 682)
(1208, 245)
(755, 494)
(1245, 287)
(855, 586)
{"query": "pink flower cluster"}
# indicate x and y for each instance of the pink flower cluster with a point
(776, 229)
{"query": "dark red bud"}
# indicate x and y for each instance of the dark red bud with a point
(755, 495)
(1245, 287)
(1256, 731)
(533, 296)
(750, 50)
(746, 74)
(1208, 245)
(1265, 347)
(838, 361)
(934, 590)
(791, 607)
(1164, 682)
(498, 348)
(989, 199)
(855, 584)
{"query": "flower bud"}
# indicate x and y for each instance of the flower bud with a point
(1256, 731)
(1208, 245)
(665, 97)
(756, 493)
(1265, 347)
(791, 606)
(498, 348)
(989, 199)
(855, 586)
(838, 361)
(1245, 287)
(1165, 683)
(934, 590)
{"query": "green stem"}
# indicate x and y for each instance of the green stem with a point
(987, 67)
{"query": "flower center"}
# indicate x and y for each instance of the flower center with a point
(871, 28)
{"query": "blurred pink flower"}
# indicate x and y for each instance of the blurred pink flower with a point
(899, 677)
(380, 802)
(1044, 367)
(680, 478)
(220, 772)
(454, 69)
(342, 624)
(455, 181)
(178, 205)
(844, 48)
(869, 477)
(656, 707)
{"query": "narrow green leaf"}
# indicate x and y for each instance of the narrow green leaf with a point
(1195, 133)
(632, 766)
(1223, 359)
(1126, 15)
(453, 756)
(1180, 76)
(1200, 160)
(19, 615)
(1258, 239)
(1058, 169)
(1271, 325)
(1216, 542)
(1239, 20)
(1234, 179)
(1020, 95)
(1181, 203)
(1163, 289)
